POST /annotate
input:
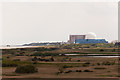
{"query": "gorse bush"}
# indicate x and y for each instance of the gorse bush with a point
(85, 65)
(9, 65)
(101, 50)
(26, 69)
(66, 66)
(78, 71)
(87, 70)
(98, 63)
(108, 63)
(100, 68)
(44, 54)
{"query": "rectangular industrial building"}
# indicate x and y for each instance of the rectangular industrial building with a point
(75, 37)
(90, 41)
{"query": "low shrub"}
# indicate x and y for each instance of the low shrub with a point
(66, 66)
(44, 54)
(60, 70)
(98, 63)
(19, 54)
(26, 69)
(85, 65)
(16, 60)
(35, 62)
(68, 71)
(87, 70)
(78, 71)
(99, 68)
(9, 65)
(101, 50)
(8, 57)
(108, 71)
(78, 60)
(107, 63)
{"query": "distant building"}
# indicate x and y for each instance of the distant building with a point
(90, 41)
(75, 37)
(115, 41)
(85, 39)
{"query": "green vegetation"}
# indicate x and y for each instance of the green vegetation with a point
(9, 63)
(26, 69)
(98, 64)
(108, 63)
(54, 60)
(98, 45)
(78, 70)
(44, 54)
(42, 59)
(68, 71)
(85, 65)
(100, 68)
(72, 49)
(87, 70)
(67, 66)
(105, 75)
(16, 60)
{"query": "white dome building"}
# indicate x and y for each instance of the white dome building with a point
(115, 41)
(90, 35)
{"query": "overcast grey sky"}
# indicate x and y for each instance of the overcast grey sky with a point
(55, 21)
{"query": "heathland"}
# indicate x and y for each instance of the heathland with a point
(61, 61)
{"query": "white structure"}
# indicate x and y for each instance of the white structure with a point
(114, 41)
(90, 35)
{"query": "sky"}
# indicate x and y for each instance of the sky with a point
(27, 22)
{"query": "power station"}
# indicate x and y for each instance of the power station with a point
(89, 38)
